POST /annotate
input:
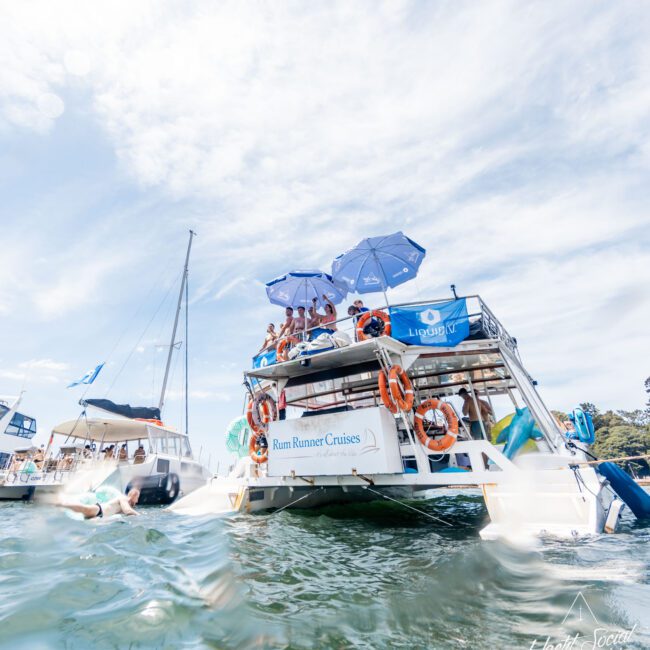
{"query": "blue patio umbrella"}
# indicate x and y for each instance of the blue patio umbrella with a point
(299, 288)
(377, 263)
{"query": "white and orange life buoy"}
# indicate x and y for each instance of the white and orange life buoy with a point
(366, 316)
(401, 388)
(257, 453)
(260, 411)
(444, 443)
(282, 349)
(384, 392)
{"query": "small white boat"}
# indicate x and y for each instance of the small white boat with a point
(98, 452)
(16, 453)
(341, 443)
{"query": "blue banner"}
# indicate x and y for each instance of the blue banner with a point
(89, 377)
(444, 324)
(264, 359)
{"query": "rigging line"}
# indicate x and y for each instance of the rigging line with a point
(421, 512)
(171, 381)
(304, 496)
(144, 331)
(137, 311)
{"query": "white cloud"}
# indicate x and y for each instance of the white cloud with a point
(45, 364)
(510, 140)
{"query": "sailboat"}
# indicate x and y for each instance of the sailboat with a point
(126, 445)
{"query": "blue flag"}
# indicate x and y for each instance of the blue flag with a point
(89, 377)
(442, 324)
(266, 358)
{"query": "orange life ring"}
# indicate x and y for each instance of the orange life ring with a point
(366, 316)
(158, 423)
(443, 444)
(384, 393)
(254, 450)
(281, 352)
(260, 411)
(401, 388)
(255, 427)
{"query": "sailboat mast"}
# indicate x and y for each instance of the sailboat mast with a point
(178, 311)
(187, 339)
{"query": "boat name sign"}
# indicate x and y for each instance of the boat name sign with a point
(334, 444)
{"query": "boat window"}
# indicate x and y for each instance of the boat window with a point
(187, 450)
(355, 391)
(4, 409)
(21, 426)
(538, 408)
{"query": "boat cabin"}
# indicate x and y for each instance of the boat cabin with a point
(338, 423)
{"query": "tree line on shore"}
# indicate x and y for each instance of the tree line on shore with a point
(621, 433)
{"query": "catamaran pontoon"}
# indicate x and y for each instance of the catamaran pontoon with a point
(375, 419)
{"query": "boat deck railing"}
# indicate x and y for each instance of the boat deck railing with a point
(481, 318)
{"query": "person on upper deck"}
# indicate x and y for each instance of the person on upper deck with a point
(359, 305)
(271, 338)
(285, 330)
(469, 409)
(329, 320)
(124, 453)
(314, 317)
(299, 322)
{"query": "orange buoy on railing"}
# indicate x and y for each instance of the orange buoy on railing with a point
(444, 443)
(158, 423)
(384, 392)
(282, 350)
(401, 388)
(366, 316)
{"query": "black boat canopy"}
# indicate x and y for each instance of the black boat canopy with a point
(126, 410)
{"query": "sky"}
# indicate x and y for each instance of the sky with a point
(510, 139)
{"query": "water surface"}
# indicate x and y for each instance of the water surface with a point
(366, 576)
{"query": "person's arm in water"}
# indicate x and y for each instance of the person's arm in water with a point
(126, 507)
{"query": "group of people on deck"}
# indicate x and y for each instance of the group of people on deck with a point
(306, 321)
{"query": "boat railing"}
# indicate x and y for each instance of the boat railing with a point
(479, 315)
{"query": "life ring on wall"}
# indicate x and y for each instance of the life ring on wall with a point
(260, 411)
(401, 388)
(384, 392)
(257, 453)
(282, 352)
(444, 443)
(366, 316)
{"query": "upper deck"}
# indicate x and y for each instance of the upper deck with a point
(478, 337)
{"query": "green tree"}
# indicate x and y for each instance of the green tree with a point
(620, 440)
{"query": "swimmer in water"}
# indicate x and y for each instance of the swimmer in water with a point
(119, 505)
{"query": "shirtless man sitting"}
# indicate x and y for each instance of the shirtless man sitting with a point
(122, 504)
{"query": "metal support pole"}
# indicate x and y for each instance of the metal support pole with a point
(476, 405)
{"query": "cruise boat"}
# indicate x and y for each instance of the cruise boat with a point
(16, 451)
(379, 418)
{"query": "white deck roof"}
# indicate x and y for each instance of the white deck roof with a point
(110, 429)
